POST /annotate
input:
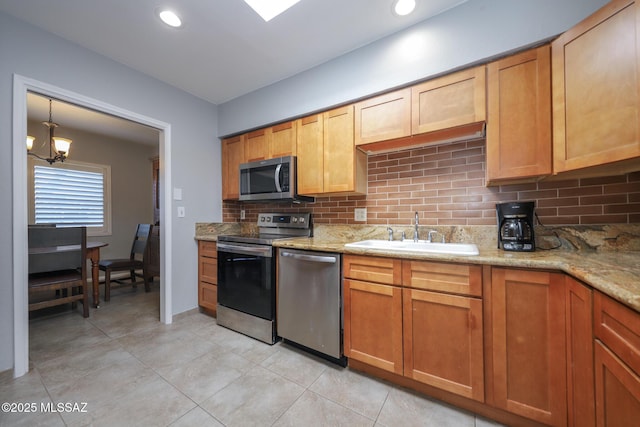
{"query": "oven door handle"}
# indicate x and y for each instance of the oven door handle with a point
(310, 258)
(264, 251)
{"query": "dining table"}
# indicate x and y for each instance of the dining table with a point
(93, 254)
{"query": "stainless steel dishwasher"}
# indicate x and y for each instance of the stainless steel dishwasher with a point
(310, 301)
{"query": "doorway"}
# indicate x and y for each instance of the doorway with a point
(21, 86)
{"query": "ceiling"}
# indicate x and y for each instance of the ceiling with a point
(224, 49)
(72, 116)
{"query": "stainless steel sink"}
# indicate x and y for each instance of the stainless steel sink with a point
(419, 246)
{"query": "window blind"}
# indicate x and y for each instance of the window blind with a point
(68, 197)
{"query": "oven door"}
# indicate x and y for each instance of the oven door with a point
(246, 278)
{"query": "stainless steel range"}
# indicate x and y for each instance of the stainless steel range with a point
(247, 274)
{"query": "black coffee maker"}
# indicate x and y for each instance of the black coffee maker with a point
(515, 226)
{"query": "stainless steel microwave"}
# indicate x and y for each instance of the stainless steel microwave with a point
(272, 179)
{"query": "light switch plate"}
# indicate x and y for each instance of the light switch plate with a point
(177, 194)
(181, 212)
(360, 214)
(242, 214)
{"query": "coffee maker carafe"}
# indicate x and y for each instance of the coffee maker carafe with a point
(515, 226)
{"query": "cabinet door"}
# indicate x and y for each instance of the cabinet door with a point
(256, 146)
(282, 140)
(454, 100)
(373, 324)
(528, 335)
(519, 116)
(383, 117)
(339, 151)
(580, 375)
(309, 146)
(443, 344)
(232, 157)
(617, 390)
(596, 87)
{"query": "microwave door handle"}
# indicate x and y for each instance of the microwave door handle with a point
(277, 178)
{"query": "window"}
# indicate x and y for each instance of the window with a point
(72, 194)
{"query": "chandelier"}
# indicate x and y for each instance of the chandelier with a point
(58, 147)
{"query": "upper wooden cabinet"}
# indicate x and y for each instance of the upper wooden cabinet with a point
(519, 117)
(450, 101)
(383, 117)
(328, 161)
(596, 89)
(232, 157)
(282, 140)
(256, 146)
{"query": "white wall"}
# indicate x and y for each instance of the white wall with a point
(195, 157)
(472, 32)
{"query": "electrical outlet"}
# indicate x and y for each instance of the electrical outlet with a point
(360, 214)
(242, 214)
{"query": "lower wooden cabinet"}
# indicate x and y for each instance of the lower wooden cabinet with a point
(443, 344)
(514, 344)
(617, 390)
(208, 276)
(431, 337)
(579, 335)
(617, 363)
(527, 332)
(373, 324)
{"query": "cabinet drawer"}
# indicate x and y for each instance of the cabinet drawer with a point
(443, 277)
(373, 269)
(618, 327)
(208, 270)
(208, 296)
(208, 249)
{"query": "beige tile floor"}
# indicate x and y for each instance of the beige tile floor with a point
(131, 370)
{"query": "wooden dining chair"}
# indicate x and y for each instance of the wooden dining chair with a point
(136, 261)
(58, 267)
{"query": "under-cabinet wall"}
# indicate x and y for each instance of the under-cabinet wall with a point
(446, 184)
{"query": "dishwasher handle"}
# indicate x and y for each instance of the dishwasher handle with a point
(310, 258)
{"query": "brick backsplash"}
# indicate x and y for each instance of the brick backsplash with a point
(446, 185)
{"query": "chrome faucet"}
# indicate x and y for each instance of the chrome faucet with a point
(431, 232)
(390, 230)
(415, 232)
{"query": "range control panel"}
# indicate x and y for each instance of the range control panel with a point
(289, 220)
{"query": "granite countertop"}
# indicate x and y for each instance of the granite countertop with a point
(605, 258)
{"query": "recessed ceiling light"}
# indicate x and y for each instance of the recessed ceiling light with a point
(404, 7)
(170, 18)
(269, 9)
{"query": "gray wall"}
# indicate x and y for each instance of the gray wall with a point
(131, 181)
(472, 32)
(195, 155)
